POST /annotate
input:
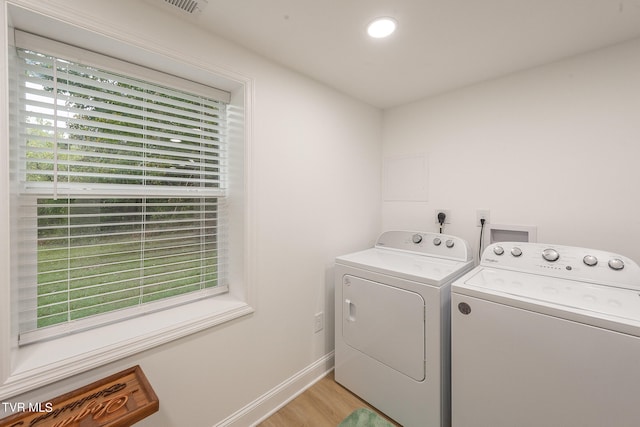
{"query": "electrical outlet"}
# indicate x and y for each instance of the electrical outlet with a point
(447, 219)
(482, 214)
(318, 322)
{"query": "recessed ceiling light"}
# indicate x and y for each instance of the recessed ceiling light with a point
(382, 27)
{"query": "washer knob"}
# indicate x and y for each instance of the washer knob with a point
(590, 260)
(616, 264)
(550, 255)
(437, 241)
(498, 250)
(516, 252)
(416, 238)
(449, 243)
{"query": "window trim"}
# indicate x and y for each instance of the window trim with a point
(30, 41)
(42, 63)
(26, 368)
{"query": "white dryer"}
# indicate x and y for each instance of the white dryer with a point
(546, 336)
(393, 324)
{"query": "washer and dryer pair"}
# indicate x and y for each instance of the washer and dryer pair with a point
(540, 335)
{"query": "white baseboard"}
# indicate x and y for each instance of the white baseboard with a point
(270, 402)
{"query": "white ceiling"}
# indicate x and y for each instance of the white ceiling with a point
(440, 45)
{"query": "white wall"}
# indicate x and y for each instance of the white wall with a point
(557, 147)
(316, 185)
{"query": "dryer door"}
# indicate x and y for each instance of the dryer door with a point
(385, 323)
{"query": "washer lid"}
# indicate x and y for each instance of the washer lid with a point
(571, 299)
(405, 265)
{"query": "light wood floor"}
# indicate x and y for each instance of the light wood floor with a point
(324, 404)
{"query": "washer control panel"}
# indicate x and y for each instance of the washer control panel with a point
(568, 262)
(432, 244)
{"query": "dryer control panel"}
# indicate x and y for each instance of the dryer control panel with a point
(568, 262)
(431, 244)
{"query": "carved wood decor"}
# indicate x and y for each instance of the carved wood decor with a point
(119, 400)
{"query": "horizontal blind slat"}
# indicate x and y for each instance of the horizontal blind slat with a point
(171, 119)
(204, 131)
(211, 152)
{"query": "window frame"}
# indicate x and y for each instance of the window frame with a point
(55, 54)
(32, 366)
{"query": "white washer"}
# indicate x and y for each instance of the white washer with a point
(546, 336)
(392, 324)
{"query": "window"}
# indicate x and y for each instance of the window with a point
(120, 188)
(72, 188)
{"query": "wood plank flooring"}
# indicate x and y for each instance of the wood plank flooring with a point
(324, 404)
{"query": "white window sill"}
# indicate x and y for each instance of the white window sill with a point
(36, 365)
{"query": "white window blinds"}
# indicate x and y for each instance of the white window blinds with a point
(122, 189)
(90, 131)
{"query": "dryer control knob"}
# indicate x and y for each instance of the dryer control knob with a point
(590, 260)
(550, 255)
(516, 252)
(616, 264)
(437, 241)
(498, 250)
(416, 238)
(449, 243)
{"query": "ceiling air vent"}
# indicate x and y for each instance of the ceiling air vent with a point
(189, 6)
